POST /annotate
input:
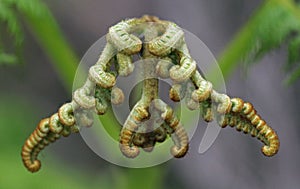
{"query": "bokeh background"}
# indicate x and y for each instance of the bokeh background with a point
(34, 89)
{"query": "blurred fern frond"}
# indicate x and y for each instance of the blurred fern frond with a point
(35, 15)
(275, 23)
(10, 20)
(7, 58)
(293, 52)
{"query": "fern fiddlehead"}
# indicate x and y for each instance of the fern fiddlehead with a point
(163, 40)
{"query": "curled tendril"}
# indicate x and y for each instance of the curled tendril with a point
(84, 98)
(165, 44)
(132, 123)
(117, 96)
(55, 124)
(163, 67)
(40, 138)
(100, 77)
(181, 147)
(203, 92)
(122, 40)
(163, 40)
(244, 115)
(47, 131)
(184, 71)
(177, 92)
(223, 102)
(146, 136)
(66, 114)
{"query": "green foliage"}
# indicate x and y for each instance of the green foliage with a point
(275, 23)
(8, 58)
(273, 30)
(293, 52)
(10, 19)
(43, 26)
(294, 59)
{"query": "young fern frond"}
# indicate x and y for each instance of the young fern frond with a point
(138, 130)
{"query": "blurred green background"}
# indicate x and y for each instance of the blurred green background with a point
(41, 43)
